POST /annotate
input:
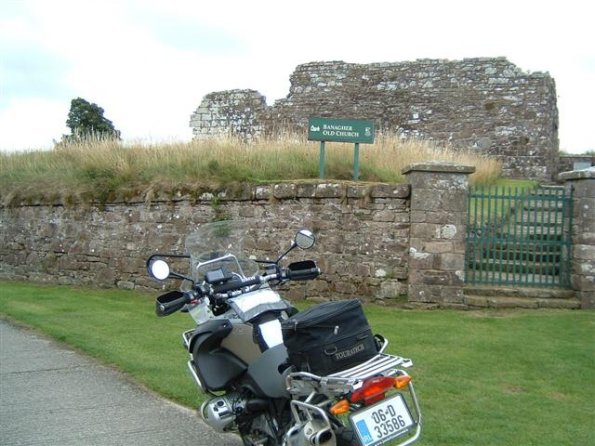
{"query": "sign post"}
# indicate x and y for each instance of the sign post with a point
(341, 130)
(321, 162)
(356, 161)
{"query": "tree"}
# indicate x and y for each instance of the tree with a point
(86, 119)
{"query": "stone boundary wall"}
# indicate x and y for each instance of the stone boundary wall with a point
(376, 242)
(362, 236)
(485, 104)
(568, 162)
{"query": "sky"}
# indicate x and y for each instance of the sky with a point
(149, 63)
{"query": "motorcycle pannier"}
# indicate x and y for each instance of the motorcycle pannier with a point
(329, 337)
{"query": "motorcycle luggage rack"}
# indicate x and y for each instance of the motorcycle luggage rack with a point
(303, 383)
(375, 366)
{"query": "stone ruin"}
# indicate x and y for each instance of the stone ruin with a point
(484, 104)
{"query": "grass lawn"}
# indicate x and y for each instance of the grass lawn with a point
(483, 378)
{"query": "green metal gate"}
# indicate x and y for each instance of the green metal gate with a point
(519, 237)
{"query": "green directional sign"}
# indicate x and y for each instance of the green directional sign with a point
(341, 130)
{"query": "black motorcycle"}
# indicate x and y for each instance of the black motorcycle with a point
(274, 375)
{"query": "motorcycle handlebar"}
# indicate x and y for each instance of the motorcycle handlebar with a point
(237, 284)
(282, 274)
(175, 300)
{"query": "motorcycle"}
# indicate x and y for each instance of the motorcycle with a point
(274, 375)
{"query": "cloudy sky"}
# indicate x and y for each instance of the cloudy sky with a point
(148, 63)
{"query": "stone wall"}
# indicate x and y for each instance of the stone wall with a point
(362, 234)
(485, 104)
(569, 162)
(236, 112)
(375, 241)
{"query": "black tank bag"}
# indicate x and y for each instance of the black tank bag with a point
(329, 337)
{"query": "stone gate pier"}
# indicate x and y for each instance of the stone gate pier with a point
(582, 183)
(437, 233)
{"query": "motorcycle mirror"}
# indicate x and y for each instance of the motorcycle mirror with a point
(159, 269)
(304, 239)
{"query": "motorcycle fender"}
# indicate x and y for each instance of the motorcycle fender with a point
(216, 367)
(267, 373)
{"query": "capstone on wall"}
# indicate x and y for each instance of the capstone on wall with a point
(486, 104)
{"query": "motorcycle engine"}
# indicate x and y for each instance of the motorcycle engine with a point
(219, 412)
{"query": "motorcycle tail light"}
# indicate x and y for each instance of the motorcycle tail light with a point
(340, 407)
(373, 389)
(402, 381)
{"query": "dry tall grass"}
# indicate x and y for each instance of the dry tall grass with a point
(101, 170)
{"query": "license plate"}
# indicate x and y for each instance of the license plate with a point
(383, 421)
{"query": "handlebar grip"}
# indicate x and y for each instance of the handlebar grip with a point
(304, 274)
(170, 303)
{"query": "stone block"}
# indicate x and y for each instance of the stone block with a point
(104, 276)
(241, 192)
(585, 268)
(449, 232)
(306, 190)
(438, 247)
(390, 190)
(476, 301)
(442, 217)
(451, 262)
(344, 287)
(384, 216)
(391, 288)
(400, 272)
(584, 235)
(399, 204)
(438, 200)
(263, 192)
(425, 231)
(436, 277)
(420, 260)
(423, 293)
(425, 199)
(419, 216)
(584, 283)
(126, 285)
(570, 304)
(512, 302)
(247, 212)
(329, 190)
(587, 299)
(452, 294)
(584, 252)
(357, 191)
(284, 190)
